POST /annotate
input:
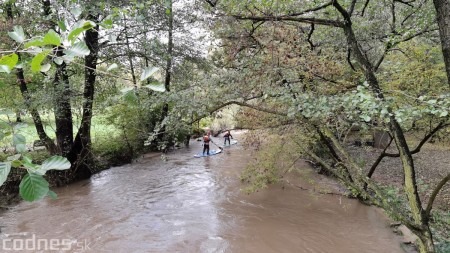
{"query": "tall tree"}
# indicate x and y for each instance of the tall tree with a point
(443, 20)
(50, 145)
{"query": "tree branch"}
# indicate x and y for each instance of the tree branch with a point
(435, 193)
(309, 37)
(318, 21)
(309, 10)
(380, 157)
(364, 8)
(244, 104)
(352, 7)
(423, 141)
(349, 54)
(212, 3)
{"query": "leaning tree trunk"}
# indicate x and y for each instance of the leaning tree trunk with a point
(443, 20)
(80, 155)
(410, 185)
(49, 144)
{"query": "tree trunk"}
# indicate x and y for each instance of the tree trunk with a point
(49, 144)
(18, 116)
(165, 109)
(80, 155)
(410, 185)
(62, 107)
(443, 20)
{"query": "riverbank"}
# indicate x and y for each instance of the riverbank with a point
(431, 165)
(273, 163)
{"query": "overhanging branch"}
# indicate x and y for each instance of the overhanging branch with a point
(423, 141)
(317, 21)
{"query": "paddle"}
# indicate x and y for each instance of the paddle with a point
(216, 145)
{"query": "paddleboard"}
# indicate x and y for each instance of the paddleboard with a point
(233, 142)
(211, 152)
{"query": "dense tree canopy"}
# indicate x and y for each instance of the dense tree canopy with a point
(312, 70)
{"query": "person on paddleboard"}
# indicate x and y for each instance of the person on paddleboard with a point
(206, 140)
(227, 137)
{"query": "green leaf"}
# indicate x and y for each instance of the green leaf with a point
(29, 165)
(34, 43)
(75, 11)
(45, 67)
(107, 24)
(18, 139)
(21, 148)
(58, 60)
(67, 58)
(52, 194)
(27, 159)
(443, 114)
(62, 25)
(366, 118)
(130, 97)
(2, 135)
(8, 61)
(5, 168)
(33, 187)
(18, 35)
(149, 71)
(5, 69)
(16, 163)
(55, 163)
(38, 59)
(78, 49)
(52, 38)
(79, 29)
(156, 87)
(20, 126)
(113, 66)
(14, 157)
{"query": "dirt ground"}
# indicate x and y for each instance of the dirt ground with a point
(432, 164)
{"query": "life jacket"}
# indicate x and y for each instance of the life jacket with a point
(206, 139)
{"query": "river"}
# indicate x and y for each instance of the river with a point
(186, 204)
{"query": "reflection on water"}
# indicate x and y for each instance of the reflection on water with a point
(187, 204)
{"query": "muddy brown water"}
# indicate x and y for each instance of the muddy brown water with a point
(188, 204)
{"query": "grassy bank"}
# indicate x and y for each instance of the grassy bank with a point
(110, 147)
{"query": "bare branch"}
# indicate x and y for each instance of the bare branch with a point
(380, 157)
(364, 8)
(435, 193)
(377, 65)
(244, 104)
(309, 10)
(318, 21)
(419, 7)
(309, 37)
(405, 2)
(352, 7)
(394, 19)
(440, 126)
(212, 3)
(349, 54)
